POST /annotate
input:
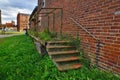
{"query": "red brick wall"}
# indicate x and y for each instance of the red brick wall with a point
(102, 19)
(0, 19)
(22, 21)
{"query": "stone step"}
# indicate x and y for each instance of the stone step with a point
(63, 52)
(55, 42)
(59, 48)
(58, 43)
(60, 59)
(49, 47)
(64, 55)
(68, 67)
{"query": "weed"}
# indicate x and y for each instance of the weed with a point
(19, 60)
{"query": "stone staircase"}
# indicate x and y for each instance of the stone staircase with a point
(63, 55)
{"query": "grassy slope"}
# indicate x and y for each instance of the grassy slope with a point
(19, 60)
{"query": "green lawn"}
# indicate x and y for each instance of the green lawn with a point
(19, 60)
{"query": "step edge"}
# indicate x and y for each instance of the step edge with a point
(50, 42)
(59, 47)
(67, 59)
(73, 67)
(64, 52)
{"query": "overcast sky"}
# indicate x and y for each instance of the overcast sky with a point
(10, 8)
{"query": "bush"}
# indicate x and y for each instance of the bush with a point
(46, 35)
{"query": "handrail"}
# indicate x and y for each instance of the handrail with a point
(84, 29)
(98, 40)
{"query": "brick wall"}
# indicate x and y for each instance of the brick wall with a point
(22, 21)
(0, 19)
(99, 17)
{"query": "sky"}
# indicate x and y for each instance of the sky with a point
(10, 8)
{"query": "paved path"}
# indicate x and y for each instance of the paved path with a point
(2, 36)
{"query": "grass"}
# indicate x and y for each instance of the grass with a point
(44, 35)
(19, 60)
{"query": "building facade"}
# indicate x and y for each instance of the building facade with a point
(0, 20)
(33, 19)
(11, 26)
(96, 23)
(22, 21)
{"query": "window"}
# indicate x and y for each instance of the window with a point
(43, 3)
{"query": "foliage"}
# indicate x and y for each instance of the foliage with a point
(46, 35)
(19, 60)
(72, 41)
(31, 32)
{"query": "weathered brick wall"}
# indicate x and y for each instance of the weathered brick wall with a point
(0, 19)
(22, 21)
(102, 19)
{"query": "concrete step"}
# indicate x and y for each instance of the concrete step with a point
(63, 52)
(64, 55)
(49, 47)
(68, 67)
(60, 48)
(58, 43)
(60, 59)
(55, 42)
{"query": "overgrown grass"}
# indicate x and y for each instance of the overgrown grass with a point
(46, 35)
(19, 60)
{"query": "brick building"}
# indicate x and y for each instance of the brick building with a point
(96, 22)
(22, 21)
(33, 19)
(0, 20)
(11, 26)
